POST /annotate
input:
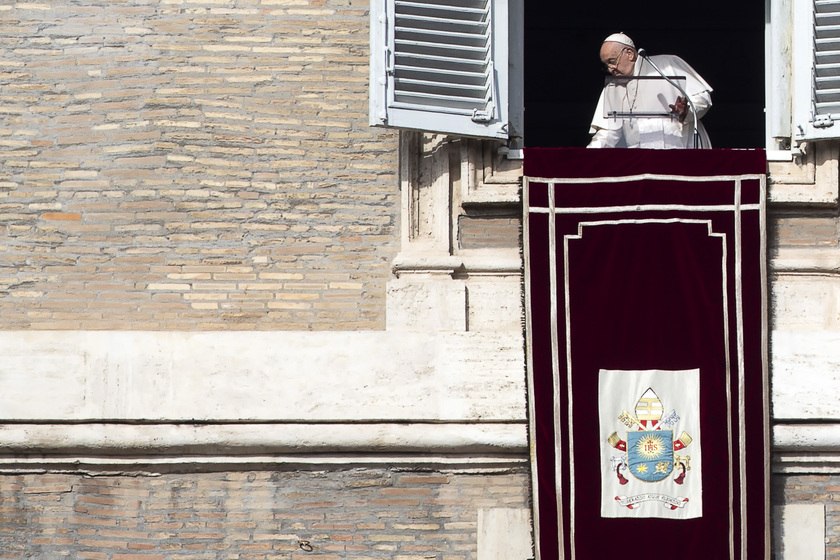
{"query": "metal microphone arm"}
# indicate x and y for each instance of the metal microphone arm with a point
(643, 53)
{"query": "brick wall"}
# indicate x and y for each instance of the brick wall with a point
(489, 232)
(804, 229)
(359, 514)
(191, 164)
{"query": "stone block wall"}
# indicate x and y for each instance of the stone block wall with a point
(191, 165)
(361, 514)
(804, 254)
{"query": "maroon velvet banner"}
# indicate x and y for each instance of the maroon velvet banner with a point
(646, 299)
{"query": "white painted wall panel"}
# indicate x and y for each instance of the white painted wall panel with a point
(805, 374)
(282, 376)
(799, 532)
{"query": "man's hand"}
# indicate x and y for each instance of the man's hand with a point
(680, 107)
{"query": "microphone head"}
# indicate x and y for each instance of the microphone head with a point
(643, 53)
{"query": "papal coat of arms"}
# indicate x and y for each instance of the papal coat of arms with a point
(651, 453)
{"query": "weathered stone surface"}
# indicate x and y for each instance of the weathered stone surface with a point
(299, 376)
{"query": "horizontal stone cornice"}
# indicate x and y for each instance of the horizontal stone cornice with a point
(123, 448)
(806, 260)
(264, 438)
(806, 448)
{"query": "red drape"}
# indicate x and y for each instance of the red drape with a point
(639, 260)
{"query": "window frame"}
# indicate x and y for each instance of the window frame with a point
(789, 63)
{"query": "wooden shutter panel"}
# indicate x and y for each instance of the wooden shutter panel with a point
(436, 65)
(824, 91)
(827, 58)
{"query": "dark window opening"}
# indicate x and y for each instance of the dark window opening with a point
(722, 39)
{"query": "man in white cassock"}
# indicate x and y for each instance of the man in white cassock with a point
(621, 58)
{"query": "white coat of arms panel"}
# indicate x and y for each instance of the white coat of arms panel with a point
(651, 460)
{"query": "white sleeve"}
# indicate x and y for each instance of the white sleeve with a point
(698, 89)
(605, 138)
(702, 103)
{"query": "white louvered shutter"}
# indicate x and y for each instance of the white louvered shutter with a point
(818, 93)
(440, 66)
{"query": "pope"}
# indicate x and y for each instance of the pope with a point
(621, 58)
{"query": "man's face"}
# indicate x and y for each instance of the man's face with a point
(618, 59)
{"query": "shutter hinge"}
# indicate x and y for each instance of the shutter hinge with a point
(383, 81)
(389, 62)
(482, 116)
(823, 121)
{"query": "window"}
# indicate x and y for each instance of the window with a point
(455, 66)
(445, 66)
(721, 39)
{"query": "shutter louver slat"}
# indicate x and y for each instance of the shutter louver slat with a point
(445, 51)
(434, 88)
(455, 25)
(408, 35)
(444, 76)
(828, 71)
(827, 6)
(442, 102)
(441, 65)
(828, 59)
(827, 19)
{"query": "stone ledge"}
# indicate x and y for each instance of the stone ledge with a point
(806, 463)
(806, 448)
(156, 466)
(806, 260)
(150, 450)
(475, 261)
(808, 180)
(104, 438)
(806, 437)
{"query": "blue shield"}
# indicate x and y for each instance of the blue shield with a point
(650, 454)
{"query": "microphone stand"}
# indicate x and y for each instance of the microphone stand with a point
(696, 135)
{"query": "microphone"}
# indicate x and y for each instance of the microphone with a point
(643, 53)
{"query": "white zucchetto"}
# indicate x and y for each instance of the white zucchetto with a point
(620, 38)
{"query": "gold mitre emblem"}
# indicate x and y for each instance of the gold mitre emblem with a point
(649, 407)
